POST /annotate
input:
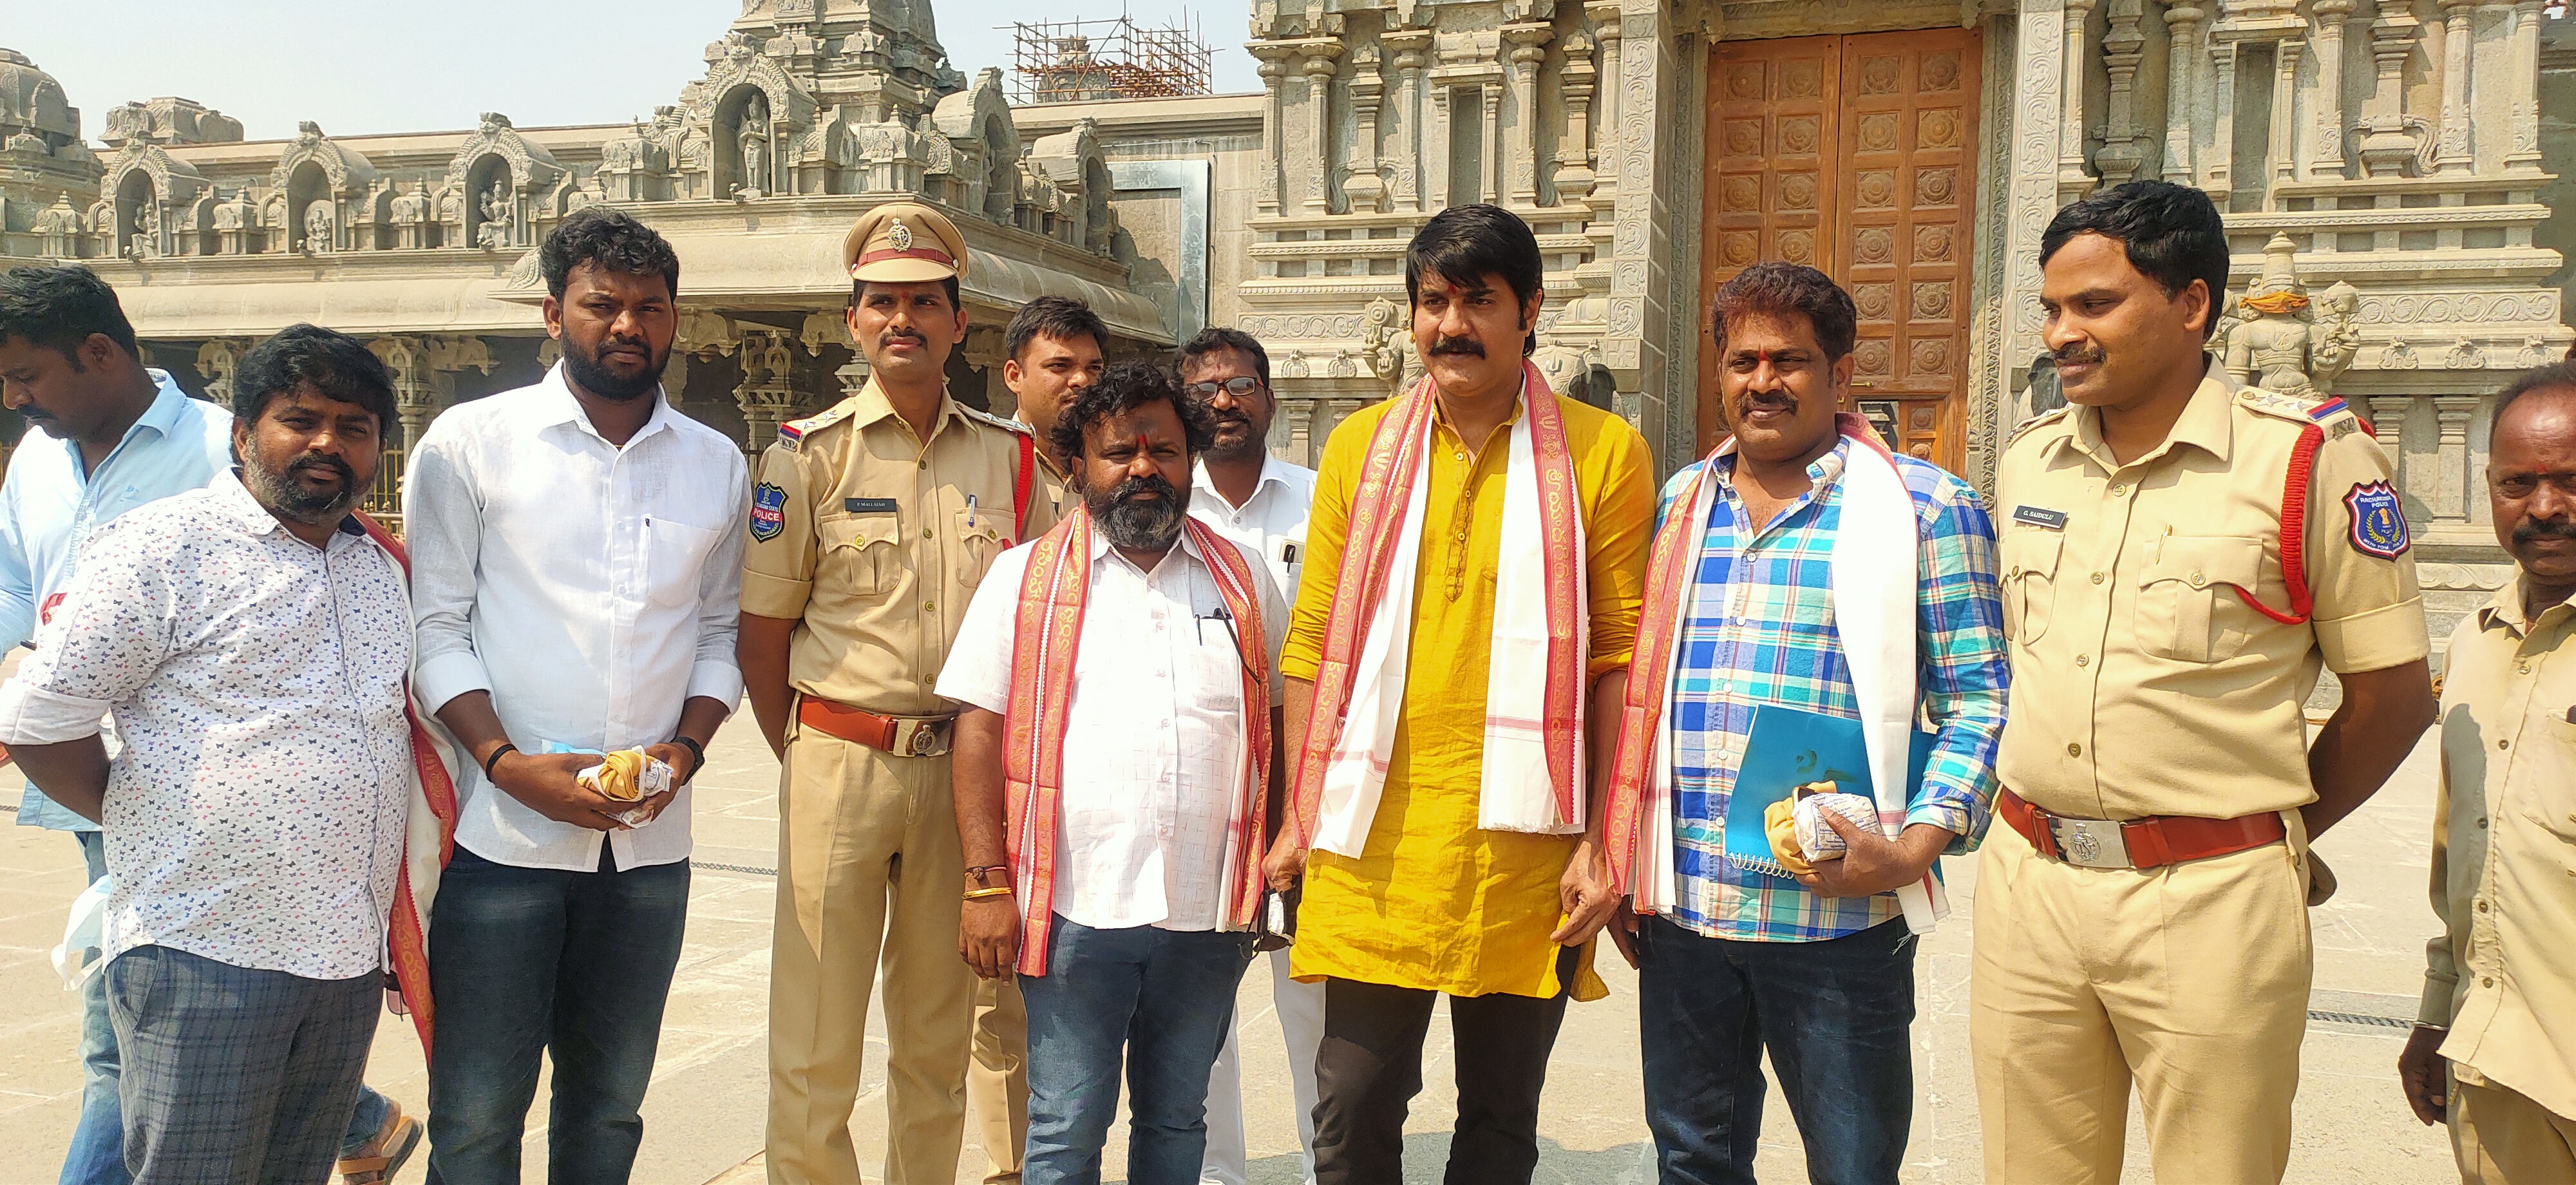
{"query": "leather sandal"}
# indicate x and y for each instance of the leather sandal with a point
(385, 1155)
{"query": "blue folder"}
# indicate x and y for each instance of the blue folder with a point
(1787, 748)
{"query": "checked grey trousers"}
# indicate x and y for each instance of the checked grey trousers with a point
(235, 1076)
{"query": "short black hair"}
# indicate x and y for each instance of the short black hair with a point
(611, 238)
(59, 307)
(1465, 244)
(947, 284)
(1060, 317)
(1785, 289)
(1123, 388)
(1220, 337)
(2555, 376)
(2172, 234)
(339, 367)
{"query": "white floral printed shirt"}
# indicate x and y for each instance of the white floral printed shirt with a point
(255, 816)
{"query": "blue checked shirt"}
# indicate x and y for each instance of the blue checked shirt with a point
(1760, 630)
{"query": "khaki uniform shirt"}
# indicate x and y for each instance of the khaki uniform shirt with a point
(2142, 683)
(864, 532)
(1052, 487)
(2504, 853)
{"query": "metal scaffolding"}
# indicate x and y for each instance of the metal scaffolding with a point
(1081, 61)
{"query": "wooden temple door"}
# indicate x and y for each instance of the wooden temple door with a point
(1854, 155)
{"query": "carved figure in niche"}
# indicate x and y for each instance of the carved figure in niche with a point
(318, 239)
(495, 231)
(1386, 355)
(2280, 347)
(147, 232)
(58, 225)
(752, 134)
(410, 210)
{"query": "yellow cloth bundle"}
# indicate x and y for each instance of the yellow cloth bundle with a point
(618, 775)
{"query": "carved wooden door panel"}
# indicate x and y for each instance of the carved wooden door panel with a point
(1882, 199)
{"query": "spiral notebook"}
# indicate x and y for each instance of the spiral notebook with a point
(1787, 748)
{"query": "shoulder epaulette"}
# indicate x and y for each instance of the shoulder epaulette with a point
(2050, 416)
(2328, 412)
(997, 421)
(793, 432)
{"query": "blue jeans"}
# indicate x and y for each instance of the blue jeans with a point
(530, 961)
(1162, 998)
(1835, 1015)
(97, 1155)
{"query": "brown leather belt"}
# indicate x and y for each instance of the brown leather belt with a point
(2135, 843)
(903, 736)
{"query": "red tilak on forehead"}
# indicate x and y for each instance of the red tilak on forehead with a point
(1140, 442)
(1761, 355)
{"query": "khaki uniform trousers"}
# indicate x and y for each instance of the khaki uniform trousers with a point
(2503, 1138)
(997, 1084)
(2189, 980)
(869, 868)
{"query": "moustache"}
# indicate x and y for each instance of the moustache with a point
(891, 336)
(2081, 355)
(1462, 346)
(324, 462)
(1766, 399)
(637, 344)
(2532, 530)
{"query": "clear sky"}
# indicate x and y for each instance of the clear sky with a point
(376, 66)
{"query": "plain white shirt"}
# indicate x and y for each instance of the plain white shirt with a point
(255, 814)
(1153, 743)
(591, 589)
(1270, 524)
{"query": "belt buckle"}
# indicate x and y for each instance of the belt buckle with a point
(2090, 843)
(918, 738)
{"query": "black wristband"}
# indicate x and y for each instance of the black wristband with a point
(697, 755)
(495, 758)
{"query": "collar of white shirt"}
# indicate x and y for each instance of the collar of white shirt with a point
(1274, 472)
(551, 404)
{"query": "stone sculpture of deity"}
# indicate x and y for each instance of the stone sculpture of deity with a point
(753, 137)
(318, 239)
(495, 231)
(2280, 345)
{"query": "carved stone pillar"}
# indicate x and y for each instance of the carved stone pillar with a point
(1605, 115)
(2524, 156)
(2072, 180)
(2325, 135)
(2220, 175)
(1573, 176)
(2388, 423)
(2123, 148)
(766, 397)
(2181, 23)
(1409, 47)
(1492, 185)
(1274, 65)
(1529, 48)
(2285, 98)
(1319, 107)
(2453, 153)
(2451, 495)
(2385, 149)
(1363, 188)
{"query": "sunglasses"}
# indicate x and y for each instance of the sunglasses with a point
(1238, 387)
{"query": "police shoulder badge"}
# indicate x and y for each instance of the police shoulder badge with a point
(768, 512)
(2378, 522)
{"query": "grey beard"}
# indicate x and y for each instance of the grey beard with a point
(1142, 526)
(287, 501)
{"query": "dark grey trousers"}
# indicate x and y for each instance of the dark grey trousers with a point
(235, 1076)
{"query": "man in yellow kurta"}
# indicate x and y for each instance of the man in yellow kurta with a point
(1476, 553)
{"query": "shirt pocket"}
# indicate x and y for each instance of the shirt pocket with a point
(857, 552)
(2029, 558)
(1211, 667)
(2554, 793)
(675, 561)
(2181, 615)
(979, 539)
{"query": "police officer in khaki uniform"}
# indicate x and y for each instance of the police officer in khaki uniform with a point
(2180, 556)
(870, 525)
